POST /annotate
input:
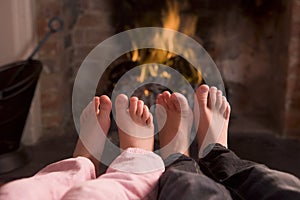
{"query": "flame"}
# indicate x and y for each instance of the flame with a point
(190, 25)
(146, 92)
(171, 20)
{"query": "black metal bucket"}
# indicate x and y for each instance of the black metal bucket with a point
(15, 100)
(17, 86)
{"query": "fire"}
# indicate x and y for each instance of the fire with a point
(170, 17)
(171, 20)
(146, 92)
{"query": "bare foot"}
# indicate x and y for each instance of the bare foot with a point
(211, 117)
(174, 120)
(135, 124)
(94, 126)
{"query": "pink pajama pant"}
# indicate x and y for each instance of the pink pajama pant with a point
(132, 175)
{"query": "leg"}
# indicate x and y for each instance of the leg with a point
(248, 180)
(135, 125)
(244, 179)
(211, 116)
(135, 173)
(94, 126)
(183, 178)
(54, 180)
(174, 120)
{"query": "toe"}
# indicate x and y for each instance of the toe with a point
(133, 106)
(180, 102)
(149, 120)
(105, 104)
(202, 95)
(218, 99)
(227, 112)
(96, 101)
(88, 110)
(166, 94)
(166, 97)
(160, 100)
(121, 102)
(161, 106)
(140, 108)
(212, 97)
(146, 114)
(175, 103)
(223, 106)
(90, 106)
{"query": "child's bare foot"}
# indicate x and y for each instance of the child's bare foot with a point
(174, 120)
(135, 124)
(211, 114)
(94, 125)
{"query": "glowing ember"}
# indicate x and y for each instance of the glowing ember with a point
(146, 92)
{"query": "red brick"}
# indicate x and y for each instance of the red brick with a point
(93, 37)
(89, 20)
(295, 11)
(292, 123)
(52, 8)
(51, 81)
(295, 104)
(52, 101)
(295, 30)
(78, 36)
(83, 4)
(99, 5)
(81, 52)
(52, 120)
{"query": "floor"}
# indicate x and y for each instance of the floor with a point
(277, 153)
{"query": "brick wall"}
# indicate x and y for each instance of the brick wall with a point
(292, 97)
(86, 24)
(91, 27)
(52, 80)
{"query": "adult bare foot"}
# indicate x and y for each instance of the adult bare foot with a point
(94, 126)
(174, 120)
(135, 125)
(211, 116)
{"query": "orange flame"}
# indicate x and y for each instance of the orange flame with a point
(171, 20)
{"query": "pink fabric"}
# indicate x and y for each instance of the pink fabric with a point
(75, 179)
(52, 182)
(132, 175)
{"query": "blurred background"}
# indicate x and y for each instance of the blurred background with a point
(255, 44)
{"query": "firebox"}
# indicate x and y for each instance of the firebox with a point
(245, 38)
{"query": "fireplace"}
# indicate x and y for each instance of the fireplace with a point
(255, 44)
(243, 37)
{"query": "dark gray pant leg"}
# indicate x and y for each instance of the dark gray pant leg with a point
(246, 179)
(184, 180)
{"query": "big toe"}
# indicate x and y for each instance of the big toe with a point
(105, 105)
(161, 104)
(160, 100)
(179, 101)
(121, 102)
(202, 95)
